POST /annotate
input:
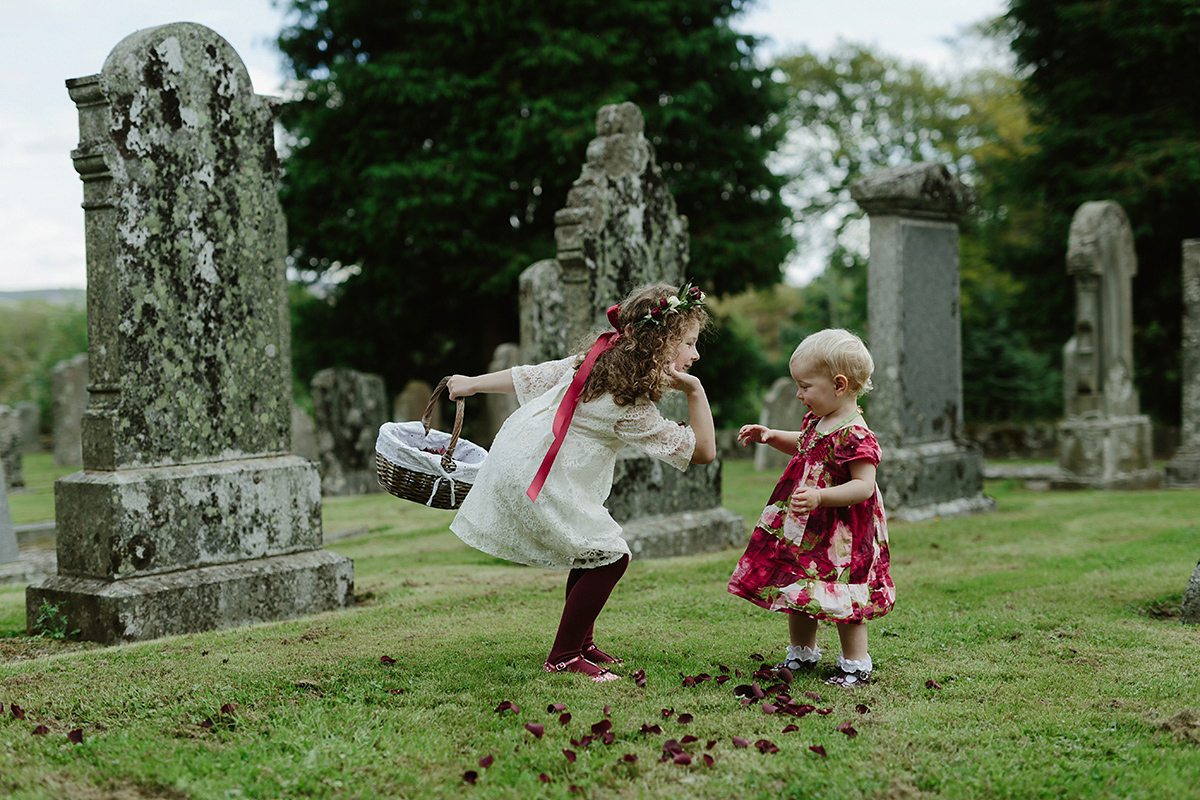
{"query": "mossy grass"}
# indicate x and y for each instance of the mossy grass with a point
(1047, 625)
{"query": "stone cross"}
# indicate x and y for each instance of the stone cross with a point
(619, 229)
(1184, 468)
(928, 469)
(1103, 442)
(191, 512)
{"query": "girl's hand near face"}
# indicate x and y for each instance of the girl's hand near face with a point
(683, 381)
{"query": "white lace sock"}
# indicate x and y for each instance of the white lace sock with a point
(862, 665)
(803, 654)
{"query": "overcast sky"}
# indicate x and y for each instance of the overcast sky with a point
(45, 42)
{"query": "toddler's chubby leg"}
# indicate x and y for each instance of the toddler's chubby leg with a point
(854, 664)
(803, 654)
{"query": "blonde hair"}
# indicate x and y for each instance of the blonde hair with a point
(838, 352)
(633, 368)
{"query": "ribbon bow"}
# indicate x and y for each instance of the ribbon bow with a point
(566, 408)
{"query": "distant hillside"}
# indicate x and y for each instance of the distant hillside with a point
(54, 297)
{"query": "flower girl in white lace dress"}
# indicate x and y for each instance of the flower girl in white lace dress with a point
(539, 497)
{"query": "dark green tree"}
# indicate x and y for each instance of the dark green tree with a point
(1112, 87)
(432, 142)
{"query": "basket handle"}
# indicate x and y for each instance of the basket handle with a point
(447, 457)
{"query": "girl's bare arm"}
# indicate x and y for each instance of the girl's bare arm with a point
(783, 441)
(493, 383)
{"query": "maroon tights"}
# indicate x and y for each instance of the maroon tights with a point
(587, 592)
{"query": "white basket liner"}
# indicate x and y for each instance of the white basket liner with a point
(404, 443)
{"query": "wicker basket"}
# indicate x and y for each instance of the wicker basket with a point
(427, 466)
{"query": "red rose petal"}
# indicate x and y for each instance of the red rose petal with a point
(608, 738)
(785, 675)
(684, 719)
(682, 758)
(608, 711)
(861, 708)
(208, 723)
(601, 726)
(76, 736)
(848, 729)
(740, 742)
(668, 712)
(689, 739)
(769, 708)
(470, 776)
(818, 749)
(766, 746)
(790, 728)
(227, 708)
(570, 754)
(386, 660)
(17, 711)
(507, 705)
(40, 730)
(756, 657)
(932, 684)
(708, 760)
(651, 729)
(487, 761)
(544, 778)
(536, 728)
(564, 718)
(629, 758)
(553, 707)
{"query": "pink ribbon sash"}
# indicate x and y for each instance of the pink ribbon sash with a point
(566, 408)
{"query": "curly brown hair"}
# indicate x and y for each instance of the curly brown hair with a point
(633, 368)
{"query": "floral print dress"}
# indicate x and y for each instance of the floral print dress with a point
(833, 562)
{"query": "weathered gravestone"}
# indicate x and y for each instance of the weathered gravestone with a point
(348, 408)
(10, 447)
(9, 551)
(928, 468)
(500, 405)
(1103, 442)
(410, 404)
(69, 393)
(620, 229)
(29, 419)
(304, 435)
(784, 412)
(1183, 470)
(191, 513)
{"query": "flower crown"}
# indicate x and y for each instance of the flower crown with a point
(689, 296)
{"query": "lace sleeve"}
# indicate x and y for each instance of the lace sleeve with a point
(648, 430)
(534, 380)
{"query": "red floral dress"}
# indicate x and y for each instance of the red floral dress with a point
(833, 562)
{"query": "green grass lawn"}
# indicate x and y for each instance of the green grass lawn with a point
(1050, 625)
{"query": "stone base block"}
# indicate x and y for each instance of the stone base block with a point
(1106, 453)
(194, 600)
(1183, 471)
(685, 534)
(936, 479)
(645, 487)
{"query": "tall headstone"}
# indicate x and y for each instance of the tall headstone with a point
(69, 393)
(1183, 470)
(10, 447)
(1103, 442)
(30, 420)
(191, 513)
(9, 551)
(619, 229)
(410, 404)
(783, 412)
(348, 408)
(304, 435)
(929, 468)
(500, 405)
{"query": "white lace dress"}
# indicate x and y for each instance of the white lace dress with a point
(568, 526)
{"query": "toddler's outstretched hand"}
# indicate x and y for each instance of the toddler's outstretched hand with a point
(752, 434)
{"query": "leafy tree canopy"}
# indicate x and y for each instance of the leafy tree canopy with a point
(432, 142)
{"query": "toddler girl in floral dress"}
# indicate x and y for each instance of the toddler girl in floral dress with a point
(820, 549)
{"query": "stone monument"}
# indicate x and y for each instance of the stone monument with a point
(784, 412)
(69, 390)
(348, 409)
(9, 551)
(191, 513)
(10, 447)
(1103, 442)
(1190, 608)
(619, 229)
(500, 405)
(1183, 470)
(929, 468)
(31, 423)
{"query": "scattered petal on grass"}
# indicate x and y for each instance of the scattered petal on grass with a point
(470, 776)
(724, 669)
(40, 730)
(573, 789)
(553, 707)
(932, 684)
(689, 739)
(639, 678)
(708, 760)
(570, 754)
(769, 708)
(487, 761)
(824, 711)
(818, 749)
(564, 718)
(629, 758)
(682, 758)
(848, 729)
(507, 705)
(766, 746)
(608, 711)
(396, 691)
(812, 695)
(688, 680)
(790, 728)
(75, 736)
(536, 728)
(862, 708)
(711, 744)
(544, 778)
(386, 660)
(756, 657)
(668, 712)
(608, 738)
(722, 679)
(785, 675)
(17, 711)
(651, 729)
(740, 742)
(228, 708)
(207, 723)
(684, 719)
(601, 727)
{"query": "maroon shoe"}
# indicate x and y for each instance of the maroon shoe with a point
(583, 667)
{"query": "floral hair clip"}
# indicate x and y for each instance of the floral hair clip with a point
(688, 297)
